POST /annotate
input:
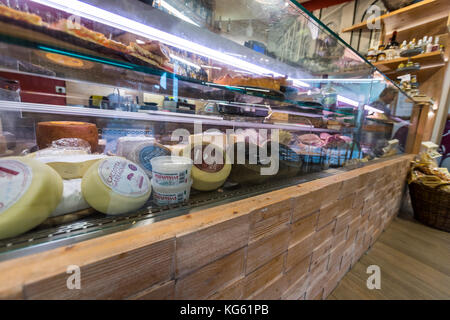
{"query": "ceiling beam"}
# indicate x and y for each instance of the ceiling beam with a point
(312, 5)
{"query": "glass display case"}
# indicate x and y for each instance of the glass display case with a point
(116, 113)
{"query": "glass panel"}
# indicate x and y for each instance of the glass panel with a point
(276, 88)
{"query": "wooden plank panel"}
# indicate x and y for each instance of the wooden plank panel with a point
(303, 228)
(211, 278)
(114, 278)
(269, 220)
(161, 291)
(299, 251)
(197, 249)
(264, 250)
(260, 277)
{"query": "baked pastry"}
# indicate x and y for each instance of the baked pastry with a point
(139, 52)
(267, 82)
(80, 31)
(20, 15)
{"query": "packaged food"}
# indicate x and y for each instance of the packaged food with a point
(171, 171)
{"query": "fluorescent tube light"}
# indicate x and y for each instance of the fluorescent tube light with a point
(369, 108)
(185, 61)
(340, 80)
(116, 21)
(210, 67)
(177, 13)
(299, 83)
(347, 101)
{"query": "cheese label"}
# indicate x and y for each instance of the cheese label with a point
(123, 177)
(169, 198)
(15, 179)
(147, 153)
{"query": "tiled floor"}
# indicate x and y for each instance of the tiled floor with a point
(414, 261)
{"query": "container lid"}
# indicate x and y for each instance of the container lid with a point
(170, 163)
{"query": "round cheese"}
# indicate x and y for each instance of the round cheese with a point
(208, 175)
(143, 154)
(115, 185)
(72, 198)
(47, 132)
(71, 167)
(29, 192)
(126, 145)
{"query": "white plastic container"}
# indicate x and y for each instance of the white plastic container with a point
(171, 171)
(163, 196)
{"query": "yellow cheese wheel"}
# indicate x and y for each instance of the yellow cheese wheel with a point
(29, 192)
(115, 185)
(71, 167)
(207, 177)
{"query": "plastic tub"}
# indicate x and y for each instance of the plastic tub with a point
(163, 196)
(171, 171)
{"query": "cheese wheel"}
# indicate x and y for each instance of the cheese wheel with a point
(144, 152)
(47, 132)
(53, 152)
(71, 167)
(207, 177)
(127, 145)
(72, 198)
(115, 185)
(29, 192)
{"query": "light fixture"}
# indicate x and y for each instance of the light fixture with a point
(116, 21)
(299, 83)
(177, 13)
(369, 108)
(185, 61)
(210, 67)
(347, 101)
(341, 80)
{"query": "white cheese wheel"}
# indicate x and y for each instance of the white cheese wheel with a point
(71, 167)
(127, 145)
(115, 185)
(72, 198)
(29, 192)
(207, 177)
(143, 153)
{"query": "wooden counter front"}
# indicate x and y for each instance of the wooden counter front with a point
(293, 243)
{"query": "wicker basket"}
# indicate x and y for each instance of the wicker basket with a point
(431, 206)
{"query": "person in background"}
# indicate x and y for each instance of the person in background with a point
(386, 97)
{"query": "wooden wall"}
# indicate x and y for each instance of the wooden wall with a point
(294, 243)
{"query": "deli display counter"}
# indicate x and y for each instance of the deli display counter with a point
(161, 147)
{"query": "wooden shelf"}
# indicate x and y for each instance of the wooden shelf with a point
(422, 74)
(425, 59)
(409, 17)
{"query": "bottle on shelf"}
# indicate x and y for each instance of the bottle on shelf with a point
(429, 44)
(419, 44)
(393, 44)
(424, 43)
(435, 47)
(404, 45)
